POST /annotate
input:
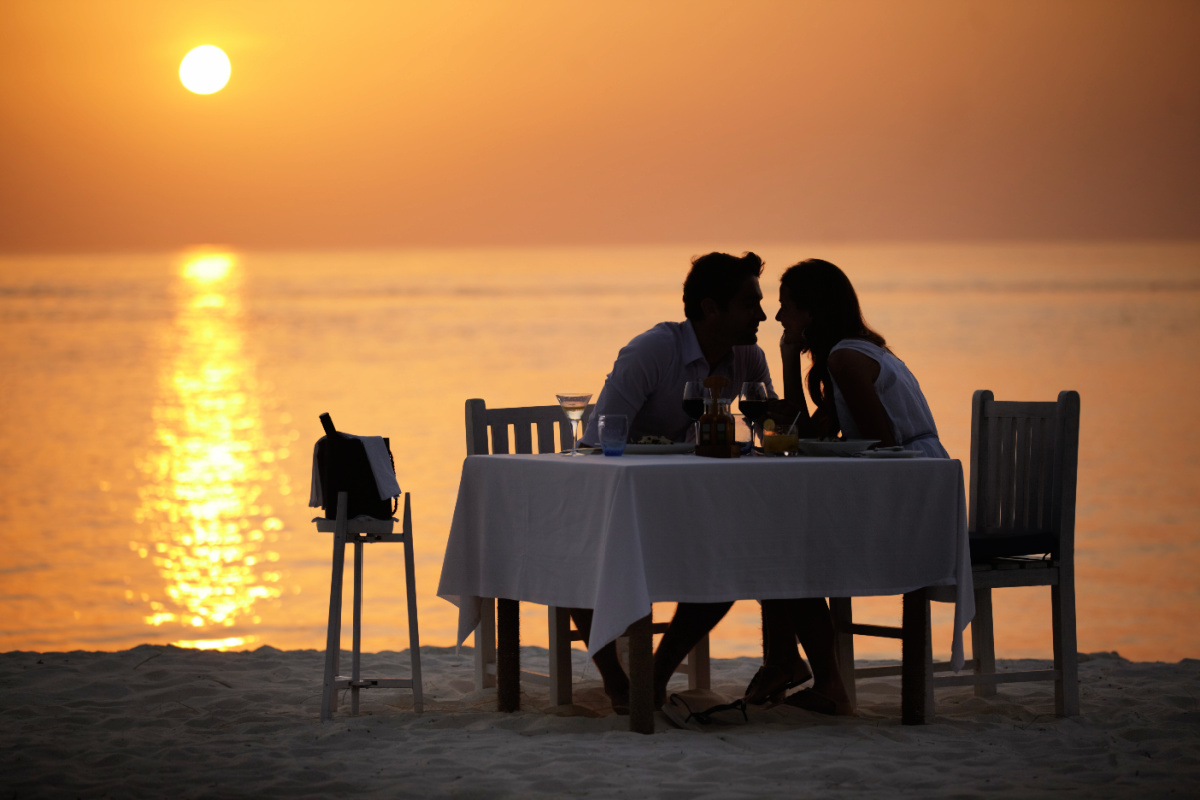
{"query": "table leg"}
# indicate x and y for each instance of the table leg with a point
(560, 656)
(641, 676)
(508, 655)
(700, 666)
(916, 661)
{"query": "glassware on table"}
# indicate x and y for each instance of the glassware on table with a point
(694, 394)
(782, 441)
(614, 433)
(752, 402)
(573, 405)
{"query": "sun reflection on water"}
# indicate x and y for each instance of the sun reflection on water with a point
(206, 525)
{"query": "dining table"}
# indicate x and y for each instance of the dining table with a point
(617, 534)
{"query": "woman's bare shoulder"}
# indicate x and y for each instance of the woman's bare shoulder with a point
(848, 363)
(849, 357)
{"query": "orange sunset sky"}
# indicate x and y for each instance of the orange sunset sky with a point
(370, 124)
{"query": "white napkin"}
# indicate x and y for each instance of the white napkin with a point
(381, 468)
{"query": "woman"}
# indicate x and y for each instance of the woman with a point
(862, 390)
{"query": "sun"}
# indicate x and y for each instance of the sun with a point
(205, 69)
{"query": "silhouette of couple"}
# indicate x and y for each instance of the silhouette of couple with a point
(860, 389)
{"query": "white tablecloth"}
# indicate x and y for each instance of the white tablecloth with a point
(617, 534)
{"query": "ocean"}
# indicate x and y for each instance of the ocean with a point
(160, 411)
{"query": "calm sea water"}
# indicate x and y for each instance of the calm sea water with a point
(160, 413)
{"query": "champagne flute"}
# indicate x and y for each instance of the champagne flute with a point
(573, 405)
(694, 394)
(752, 402)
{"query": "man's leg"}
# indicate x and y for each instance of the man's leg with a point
(691, 623)
(616, 682)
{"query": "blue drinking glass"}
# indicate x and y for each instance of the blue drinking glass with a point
(614, 432)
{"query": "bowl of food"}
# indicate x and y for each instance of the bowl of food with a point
(657, 446)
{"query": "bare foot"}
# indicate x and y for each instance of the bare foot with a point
(620, 703)
(812, 700)
(618, 695)
(772, 681)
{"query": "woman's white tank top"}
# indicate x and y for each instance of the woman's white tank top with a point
(897, 387)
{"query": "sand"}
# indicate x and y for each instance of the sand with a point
(160, 721)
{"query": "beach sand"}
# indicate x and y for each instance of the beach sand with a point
(160, 721)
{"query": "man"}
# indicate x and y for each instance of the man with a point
(722, 301)
(723, 304)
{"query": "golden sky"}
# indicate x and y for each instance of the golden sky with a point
(365, 124)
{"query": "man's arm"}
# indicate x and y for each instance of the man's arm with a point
(633, 376)
(758, 371)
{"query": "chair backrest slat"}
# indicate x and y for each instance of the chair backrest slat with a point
(1025, 498)
(524, 438)
(524, 421)
(1005, 486)
(545, 434)
(1023, 454)
(499, 436)
(1038, 516)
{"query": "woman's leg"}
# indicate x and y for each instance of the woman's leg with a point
(782, 666)
(779, 633)
(691, 623)
(814, 626)
(616, 682)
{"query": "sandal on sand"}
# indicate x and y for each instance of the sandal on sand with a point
(771, 683)
(680, 713)
(812, 700)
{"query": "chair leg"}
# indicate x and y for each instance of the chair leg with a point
(414, 639)
(842, 611)
(762, 626)
(916, 675)
(356, 634)
(485, 645)
(333, 631)
(508, 655)
(983, 642)
(699, 666)
(559, 622)
(1062, 603)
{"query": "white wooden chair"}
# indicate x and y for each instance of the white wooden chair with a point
(1024, 460)
(360, 531)
(526, 422)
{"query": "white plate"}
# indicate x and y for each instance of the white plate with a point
(891, 454)
(844, 447)
(659, 449)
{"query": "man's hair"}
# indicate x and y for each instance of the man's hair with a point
(717, 276)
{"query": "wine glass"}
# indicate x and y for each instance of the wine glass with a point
(752, 402)
(573, 405)
(694, 395)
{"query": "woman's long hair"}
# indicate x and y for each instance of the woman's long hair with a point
(824, 291)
